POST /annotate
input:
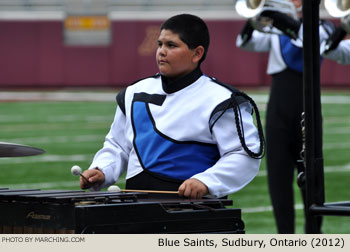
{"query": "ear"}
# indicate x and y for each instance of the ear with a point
(198, 54)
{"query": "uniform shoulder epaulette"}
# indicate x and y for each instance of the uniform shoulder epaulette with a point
(237, 98)
(240, 99)
(121, 100)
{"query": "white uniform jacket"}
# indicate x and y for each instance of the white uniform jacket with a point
(283, 51)
(178, 130)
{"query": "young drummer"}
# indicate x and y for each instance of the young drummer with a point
(180, 129)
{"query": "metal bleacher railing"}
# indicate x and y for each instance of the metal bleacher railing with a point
(124, 4)
(55, 9)
(118, 9)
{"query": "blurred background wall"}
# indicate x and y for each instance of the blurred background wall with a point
(35, 52)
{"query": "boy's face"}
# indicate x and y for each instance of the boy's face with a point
(174, 58)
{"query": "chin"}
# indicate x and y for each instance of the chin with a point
(164, 73)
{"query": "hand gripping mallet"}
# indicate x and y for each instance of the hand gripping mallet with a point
(76, 171)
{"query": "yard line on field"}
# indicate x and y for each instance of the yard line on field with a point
(327, 169)
(53, 126)
(325, 99)
(338, 168)
(110, 96)
(267, 209)
(332, 146)
(58, 96)
(55, 118)
(49, 185)
(337, 130)
(262, 209)
(47, 158)
(259, 98)
(337, 99)
(336, 119)
(56, 139)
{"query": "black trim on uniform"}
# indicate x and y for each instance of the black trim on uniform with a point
(222, 106)
(156, 99)
(121, 100)
(170, 86)
(225, 105)
(215, 116)
(121, 95)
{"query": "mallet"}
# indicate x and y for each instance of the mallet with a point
(76, 171)
(115, 188)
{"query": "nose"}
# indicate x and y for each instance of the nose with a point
(162, 50)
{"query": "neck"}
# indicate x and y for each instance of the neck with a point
(171, 85)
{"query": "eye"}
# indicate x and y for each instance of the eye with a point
(159, 43)
(171, 45)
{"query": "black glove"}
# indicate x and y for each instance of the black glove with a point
(334, 40)
(246, 32)
(283, 22)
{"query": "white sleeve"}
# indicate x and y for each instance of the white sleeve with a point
(235, 169)
(112, 159)
(341, 53)
(259, 42)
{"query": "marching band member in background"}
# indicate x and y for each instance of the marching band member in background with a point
(285, 106)
(180, 129)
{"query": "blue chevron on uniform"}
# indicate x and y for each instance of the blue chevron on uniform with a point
(165, 156)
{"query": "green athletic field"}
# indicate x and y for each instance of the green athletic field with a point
(71, 133)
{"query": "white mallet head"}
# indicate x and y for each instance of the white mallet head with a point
(76, 170)
(113, 188)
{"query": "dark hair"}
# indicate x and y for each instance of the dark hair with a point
(191, 29)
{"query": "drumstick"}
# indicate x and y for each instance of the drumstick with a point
(86, 180)
(115, 188)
